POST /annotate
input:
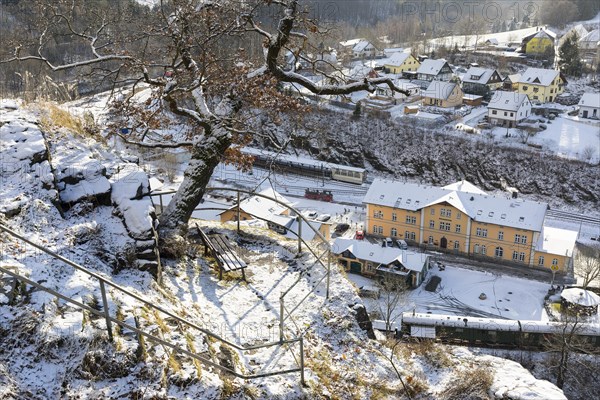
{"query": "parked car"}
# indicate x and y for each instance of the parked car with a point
(388, 242)
(341, 228)
(311, 214)
(401, 244)
(360, 235)
(324, 217)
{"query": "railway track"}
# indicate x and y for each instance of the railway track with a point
(569, 216)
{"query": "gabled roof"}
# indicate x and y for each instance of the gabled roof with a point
(397, 59)
(593, 36)
(439, 90)
(507, 101)
(483, 208)
(513, 78)
(376, 254)
(544, 33)
(492, 41)
(539, 76)
(261, 207)
(590, 100)
(464, 186)
(478, 75)
(351, 42)
(361, 46)
(431, 67)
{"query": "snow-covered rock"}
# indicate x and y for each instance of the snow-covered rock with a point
(127, 189)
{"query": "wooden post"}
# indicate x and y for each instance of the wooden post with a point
(105, 308)
(281, 319)
(161, 203)
(299, 235)
(328, 272)
(302, 361)
(238, 213)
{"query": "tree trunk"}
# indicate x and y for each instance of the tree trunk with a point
(206, 155)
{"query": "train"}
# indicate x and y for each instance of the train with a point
(477, 331)
(316, 194)
(306, 166)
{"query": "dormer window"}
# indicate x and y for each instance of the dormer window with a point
(521, 219)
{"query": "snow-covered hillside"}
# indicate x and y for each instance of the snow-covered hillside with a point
(54, 192)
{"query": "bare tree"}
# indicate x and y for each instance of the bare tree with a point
(392, 295)
(525, 134)
(587, 263)
(197, 57)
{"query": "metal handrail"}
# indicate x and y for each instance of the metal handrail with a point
(109, 319)
(318, 234)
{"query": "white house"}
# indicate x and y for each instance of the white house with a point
(434, 70)
(508, 108)
(589, 106)
(364, 49)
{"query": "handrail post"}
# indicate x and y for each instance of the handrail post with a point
(299, 236)
(328, 272)
(105, 307)
(238, 212)
(302, 382)
(281, 319)
(161, 203)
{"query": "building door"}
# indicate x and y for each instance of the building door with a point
(585, 114)
(594, 113)
(444, 243)
(355, 267)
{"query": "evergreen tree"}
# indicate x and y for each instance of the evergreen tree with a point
(570, 61)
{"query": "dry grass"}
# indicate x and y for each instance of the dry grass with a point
(470, 383)
(55, 117)
(189, 338)
(434, 353)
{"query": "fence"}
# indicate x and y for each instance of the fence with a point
(284, 312)
(105, 313)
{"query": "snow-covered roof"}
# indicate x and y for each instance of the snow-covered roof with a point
(351, 42)
(590, 100)
(514, 77)
(263, 208)
(593, 36)
(298, 159)
(483, 208)
(431, 67)
(539, 76)
(507, 101)
(556, 241)
(541, 34)
(397, 59)
(492, 41)
(478, 75)
(361, 46)
(439, 90)
(374, 253)
(391, 50)
(581, 297)
(464, 186)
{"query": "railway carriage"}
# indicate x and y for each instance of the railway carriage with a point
(491, 331)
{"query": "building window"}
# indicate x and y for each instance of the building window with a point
(394, 217)
(444, 226)
(430, 240)
(394, 232)
(409, 235)
(457, 228)
(505, 113)
(456, 245)
(433, 211)
(512, 114)
(483, 250)
(431, 224)
(375, 229)
(381, 230)
(501, 235)
(411, 220)
(524, 87)
(494, 112)
(541, 261)
(499, 252)
(521, 239)
(481, 232)
(476, 249)
(446, 212)
(378, 214)
(458, 215)
(522, 257)
(555, 261)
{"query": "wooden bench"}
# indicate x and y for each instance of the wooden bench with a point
(219, 247)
